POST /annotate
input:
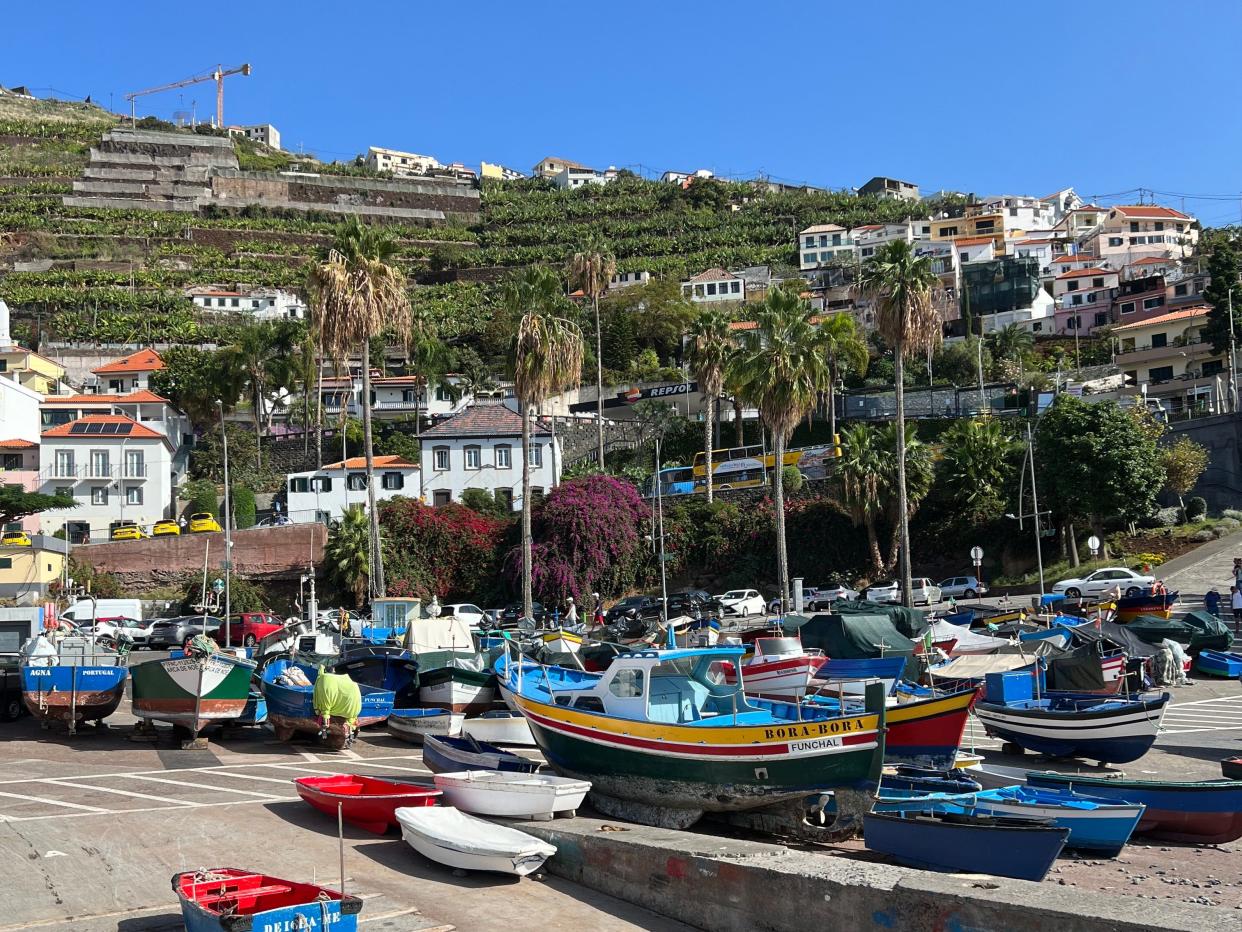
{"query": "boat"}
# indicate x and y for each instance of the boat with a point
(501, 727)
(414, 725)
(295, 708)
(457, 688)
(384, 666)
(74, 680)
(444, 754)
(1147, 602)
(1098, 825)
(922, 780)
(560, 641)
(1015, 848)
(230, 899)
(664, 732)
(255, 712)
(1231, 768)
(366, 802)
(779, 668)
(703, 632)
(461, 841)
(1203, 812)
(511, 795)
(962, 618)
(1219, 663)
(192, 691)
(1197, 630)
(852, 676)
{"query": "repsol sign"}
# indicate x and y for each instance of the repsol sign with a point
(664, 391)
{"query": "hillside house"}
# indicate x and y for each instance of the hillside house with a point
(324, 495)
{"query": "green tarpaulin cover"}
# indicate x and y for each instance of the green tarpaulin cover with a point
(337, 695)
(911, 622)
(852, 637)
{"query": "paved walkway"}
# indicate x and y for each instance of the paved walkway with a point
(1194, 573)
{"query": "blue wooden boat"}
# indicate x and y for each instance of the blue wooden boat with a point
(1098, 825)
(924, 780)
(1058, 635)
(73, 692)
(445, 754)
(1219, 663)
(1203, 812)
(942, 841)
(255, 712)
(962, 619)
(229, 899)
(291, 709)
(853, 675)
(384, 666)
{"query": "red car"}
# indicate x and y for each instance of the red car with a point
(248, 628)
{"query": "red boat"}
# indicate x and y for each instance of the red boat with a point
(944, 644)
(365, 802)
(228, 899)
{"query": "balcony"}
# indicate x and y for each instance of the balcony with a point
(1195, 349)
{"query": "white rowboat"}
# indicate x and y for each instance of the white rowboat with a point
(499, 728)
(515, 795)
(455, 839)
(415, 724)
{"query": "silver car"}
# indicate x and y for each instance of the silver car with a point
(962, 587)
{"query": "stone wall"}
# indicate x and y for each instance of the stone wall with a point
(1221, 483)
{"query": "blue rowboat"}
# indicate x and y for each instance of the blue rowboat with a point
(924, 780)
(1098, 825)
(383, 666)
(942, 841)
(961, 619)
(228, 899)
(1058, 635)
(292, 708)
(72, 693)
(443, 754)
(1219, 663)
(855, 674)
(1204, 812)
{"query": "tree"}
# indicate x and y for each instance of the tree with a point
(547, 358)
(355, 295)
(591, 269)
(1011, 342)
(620, 345)
(243, 503)
(976, 468)
(658, 310)
(1222, 266)
(348, 553)
(485, 503)
(781, 370)
(920, 475)
(1183, 462)
(260, 360)
(902, 287)
(192, 379)
(1097, 462)
(844, 350)
(710, 348)
(861, 474)
(959, 363)
(16, 503)
(429, 356)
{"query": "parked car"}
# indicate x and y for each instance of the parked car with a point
(925, 592)
(110, 629)
(166, 528)
(822, 597)
(1105, 580)
(275, 521)
(742, 602)
(248, 628)
(84, 611)
(127, 531)
(204, 522)
(514, 611)
(15, 539)
(470, 614)
(169, 633)
(962, 587)
(633, 608)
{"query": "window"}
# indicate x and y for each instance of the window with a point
(536, 494)
(1093, 297)
(536, 455)
(6, 563)
(1160, 374)
(1071, 286)
(409, 395)
(99, 495)
(809, 242)
(1135, 240)
(134, 465)
(1076, 300)
(1159, 339)
(133, 495)
(321, 484)
(235, 303)
(504, 457)
(1212, 367)
(440, 457)
(1158, 225)
(1127, 308)
(1097, 283)
(1181, 290)
(474, 457)
(735, 287)
(64, 463)
(1134, 227)
(948, 231)
(836, 239)
(299, 484)
(64, 491)
(99, 463)
(393, 481)
(12, 461)
(1036, 327)
(1013, 211)
(965, 257)
(1114, 241)
(823, 239)
(356, 482)
(627, 684)
(1153, 302)
(1101, 319)
(441, 497)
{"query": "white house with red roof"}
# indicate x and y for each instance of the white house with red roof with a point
(1084, 298)
(143, 406)
(117, 469)
(395, 396)
(1132, 232)
(1169, 356)
(325, 494)
(481, 448)
(129, 373)
(19, 441)
(715, 285)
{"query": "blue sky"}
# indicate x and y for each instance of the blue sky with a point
(990, 98)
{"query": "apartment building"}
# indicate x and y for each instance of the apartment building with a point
(1084, 299)
(823, 244)
(1169, 356)
(1129, 233)
(400, 164)
(324, 495)
(129, 373)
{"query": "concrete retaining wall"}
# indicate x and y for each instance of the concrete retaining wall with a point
(1221, 484)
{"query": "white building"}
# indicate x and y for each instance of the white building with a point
(395, 395)
(325, 494)
(143, 406)
(265, 133)
(1039, 317)
(129, 373)
(401, 164)
(975, 249)
(262, 304)
(481, 448)
(552, 166)
(19, 442)
(682, 178)
(569, 178)
(117, 470)
(822, 244)
(1019, 214)
(714, 285)
(868, 239)
(1040, 247)
(626, 279)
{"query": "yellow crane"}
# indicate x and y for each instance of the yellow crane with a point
(218, 74)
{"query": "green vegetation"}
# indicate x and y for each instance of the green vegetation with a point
(243, 507)
(16, 503)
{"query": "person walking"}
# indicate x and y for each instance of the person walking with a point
(571, 613)
(1235, 600)
(1211, 601)
(597, 614)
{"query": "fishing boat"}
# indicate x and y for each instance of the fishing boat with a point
(560, 641)
(1098, 825)
(295, 708)
(255, 712)
(962, 619)
(448, 755)
(192, 691)
(1231, 768)
(229, 899)
(385, 666)
(511, 795)
(1197, 630)
(1204, 812)
(500, 727)
(703, 632)
(936, 841)
(414, 725)
(461, 841)
(74, 680)
(366, 802)
(923, 780)
(457, 688)
(1219, 663)
(779, 668)
(852, 676)
(1147, 602)
(664, 732)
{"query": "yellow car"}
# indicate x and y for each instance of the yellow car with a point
(162, 528)
(204, 522)
(15, 539)
(127, 532)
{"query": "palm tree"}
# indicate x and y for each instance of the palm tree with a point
(547, 358)
(348, 553)
(1011, 342)
(357, 294)
(711, 345)
(861, 473)
(920, 476)
(901, 285)
(592, 268)
(259, 359)
(844, 350)
(781, 370)
(977, 468)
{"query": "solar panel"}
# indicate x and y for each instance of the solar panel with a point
(123, 428)
(94, 429)
(77, 428)
(112, 428)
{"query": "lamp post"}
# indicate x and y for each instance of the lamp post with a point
(1035, 512)
(228, 529)
(1233, 361)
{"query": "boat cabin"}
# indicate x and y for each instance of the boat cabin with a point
(782, 648)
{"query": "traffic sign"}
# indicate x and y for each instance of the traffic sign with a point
(976, 554)
(217, 585)
(1093, 542)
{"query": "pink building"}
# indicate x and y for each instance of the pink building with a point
(1084, 298)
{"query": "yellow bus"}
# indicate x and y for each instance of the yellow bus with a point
(811, 461)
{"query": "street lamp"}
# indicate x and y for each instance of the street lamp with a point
(1035, 512)
(228, 526)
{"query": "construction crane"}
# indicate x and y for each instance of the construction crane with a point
(218, 75)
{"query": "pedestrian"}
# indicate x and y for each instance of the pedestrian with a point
(1235, 599)
(1237, 572)
(571, 613)
(1211, 601)
(597, 614)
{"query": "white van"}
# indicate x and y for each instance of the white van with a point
(85, 611)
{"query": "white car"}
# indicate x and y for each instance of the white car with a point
(924, 590)
(470, 614)
(139, 632)
(741, 602)
(1105, 580)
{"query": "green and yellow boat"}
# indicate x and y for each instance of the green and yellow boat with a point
(191, 691)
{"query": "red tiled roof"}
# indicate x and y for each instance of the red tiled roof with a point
(1187, 313)
(870, 226)
(1083, 257)
(713, 275)
(141, 395)
(136, 430)
(973, 240)
(482, 421)
(360, 462)
(16, 444)
(145, 360)
(751, 324)
(208, 292)
(1082, 273)
(1151, 210)
(1153, 260)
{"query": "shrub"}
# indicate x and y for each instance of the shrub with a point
(1230, 524)
(1196, 508)
(1164, 517)
(201, 494)
(792, 478)
(1139, 560)
(485, 503)
(1202, 537)
(1232, 513)
(243, 507)
(448, 551)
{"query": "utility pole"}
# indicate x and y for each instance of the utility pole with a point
(1039, 550)
(660, 530)
(1233, 361)
(228, 529)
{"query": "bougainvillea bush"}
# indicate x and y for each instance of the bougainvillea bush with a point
(450, 552)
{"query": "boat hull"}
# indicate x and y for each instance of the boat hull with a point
(72, 693)
(465, 691)
(362, 801)
(499, 728)
(218, 901)
(456, 755)
(191, 691)
(1113, 736)
(291, 709)
(785, 678)
(1021, 852)
(515, 796)
(460, 841)
(414, 725)
(1219, 663)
